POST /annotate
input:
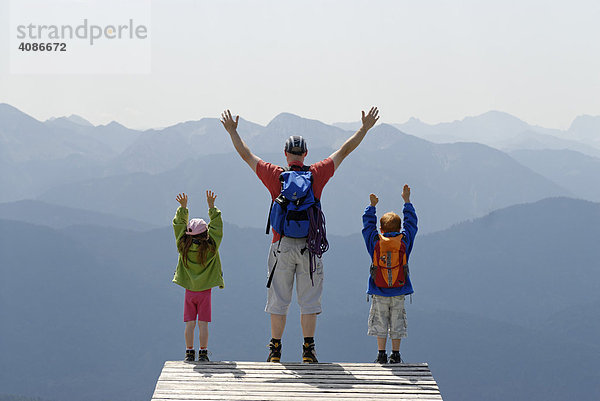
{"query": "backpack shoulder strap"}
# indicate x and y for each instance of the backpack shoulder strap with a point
(288, 168)
(267, 231)
(404, 261)
(377, 250)
(281, 174)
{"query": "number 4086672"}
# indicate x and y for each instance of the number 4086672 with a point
(43, 47)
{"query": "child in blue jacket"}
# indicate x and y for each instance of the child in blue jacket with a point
(387, 316)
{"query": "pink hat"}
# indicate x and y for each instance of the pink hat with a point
(196, 226)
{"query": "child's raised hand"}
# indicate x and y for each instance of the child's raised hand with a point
(374, 199)
(182, 199)
(210, 199)
(406, 193)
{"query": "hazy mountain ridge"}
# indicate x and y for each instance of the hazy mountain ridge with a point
(586, 128)
(442, 173)
(572, 170)
(446, 187)
(559, 234)
(97, 283)
(25, 138)
(174, 158)
(506, 132)
(55, 216)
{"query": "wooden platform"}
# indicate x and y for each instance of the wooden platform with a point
(294, 381)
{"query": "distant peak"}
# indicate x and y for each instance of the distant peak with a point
(586, 123)
(413, 121)
(7, 107)
(73, 119)
(496, 114)
(114, 124)
(79, 120)
(587, 117)
(8, 111)
(287, 116)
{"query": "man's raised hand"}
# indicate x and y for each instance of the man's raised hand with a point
(369, 120)
(182, 199)
(228, 122)
(374, 199)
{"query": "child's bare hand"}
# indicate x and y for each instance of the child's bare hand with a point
(182, 199)
(210, 199)
(374, 199)
(406, 193)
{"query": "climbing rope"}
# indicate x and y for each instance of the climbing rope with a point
(316, 242)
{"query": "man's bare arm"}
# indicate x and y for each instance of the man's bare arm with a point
(240, 146)
(367, 123)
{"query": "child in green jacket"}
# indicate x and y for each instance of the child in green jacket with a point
(198, 269)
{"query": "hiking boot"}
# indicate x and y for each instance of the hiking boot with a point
(275, 354)
(395, 357)
(203, 355)
(308, 353)
(190, 355)
(381, 358)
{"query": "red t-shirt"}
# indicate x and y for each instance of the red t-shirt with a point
(269, 175)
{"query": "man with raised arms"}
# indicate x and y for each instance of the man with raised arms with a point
(286, 253)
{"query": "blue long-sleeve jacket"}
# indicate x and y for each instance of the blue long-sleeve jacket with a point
(371, 237)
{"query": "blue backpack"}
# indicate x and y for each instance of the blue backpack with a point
(297, 213)
(289, 211)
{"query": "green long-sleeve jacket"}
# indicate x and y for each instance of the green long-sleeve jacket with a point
(199, 277)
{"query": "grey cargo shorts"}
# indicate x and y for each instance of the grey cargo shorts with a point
(292, 263)
(387, 317)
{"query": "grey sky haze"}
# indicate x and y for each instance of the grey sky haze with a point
(435, 60)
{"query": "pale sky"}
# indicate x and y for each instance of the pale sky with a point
(328, 60)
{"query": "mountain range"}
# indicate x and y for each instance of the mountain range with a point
(506, 132)
(505, 306)
(137, 175)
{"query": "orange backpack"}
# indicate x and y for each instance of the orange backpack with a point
(389, 268)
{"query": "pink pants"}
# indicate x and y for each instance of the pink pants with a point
(197, 304)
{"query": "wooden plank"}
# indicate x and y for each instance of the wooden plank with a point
(289, 394)
(288, 373)
(293, 377)
(297, 365)
(313, 383)
(296, 374)
(216, 369)
(296, 397)
(299, 396)
(324, 364)
(391, 386)
(212, 369)
(293, 396)
(254, 381)
(298, 387)
(312, 367)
